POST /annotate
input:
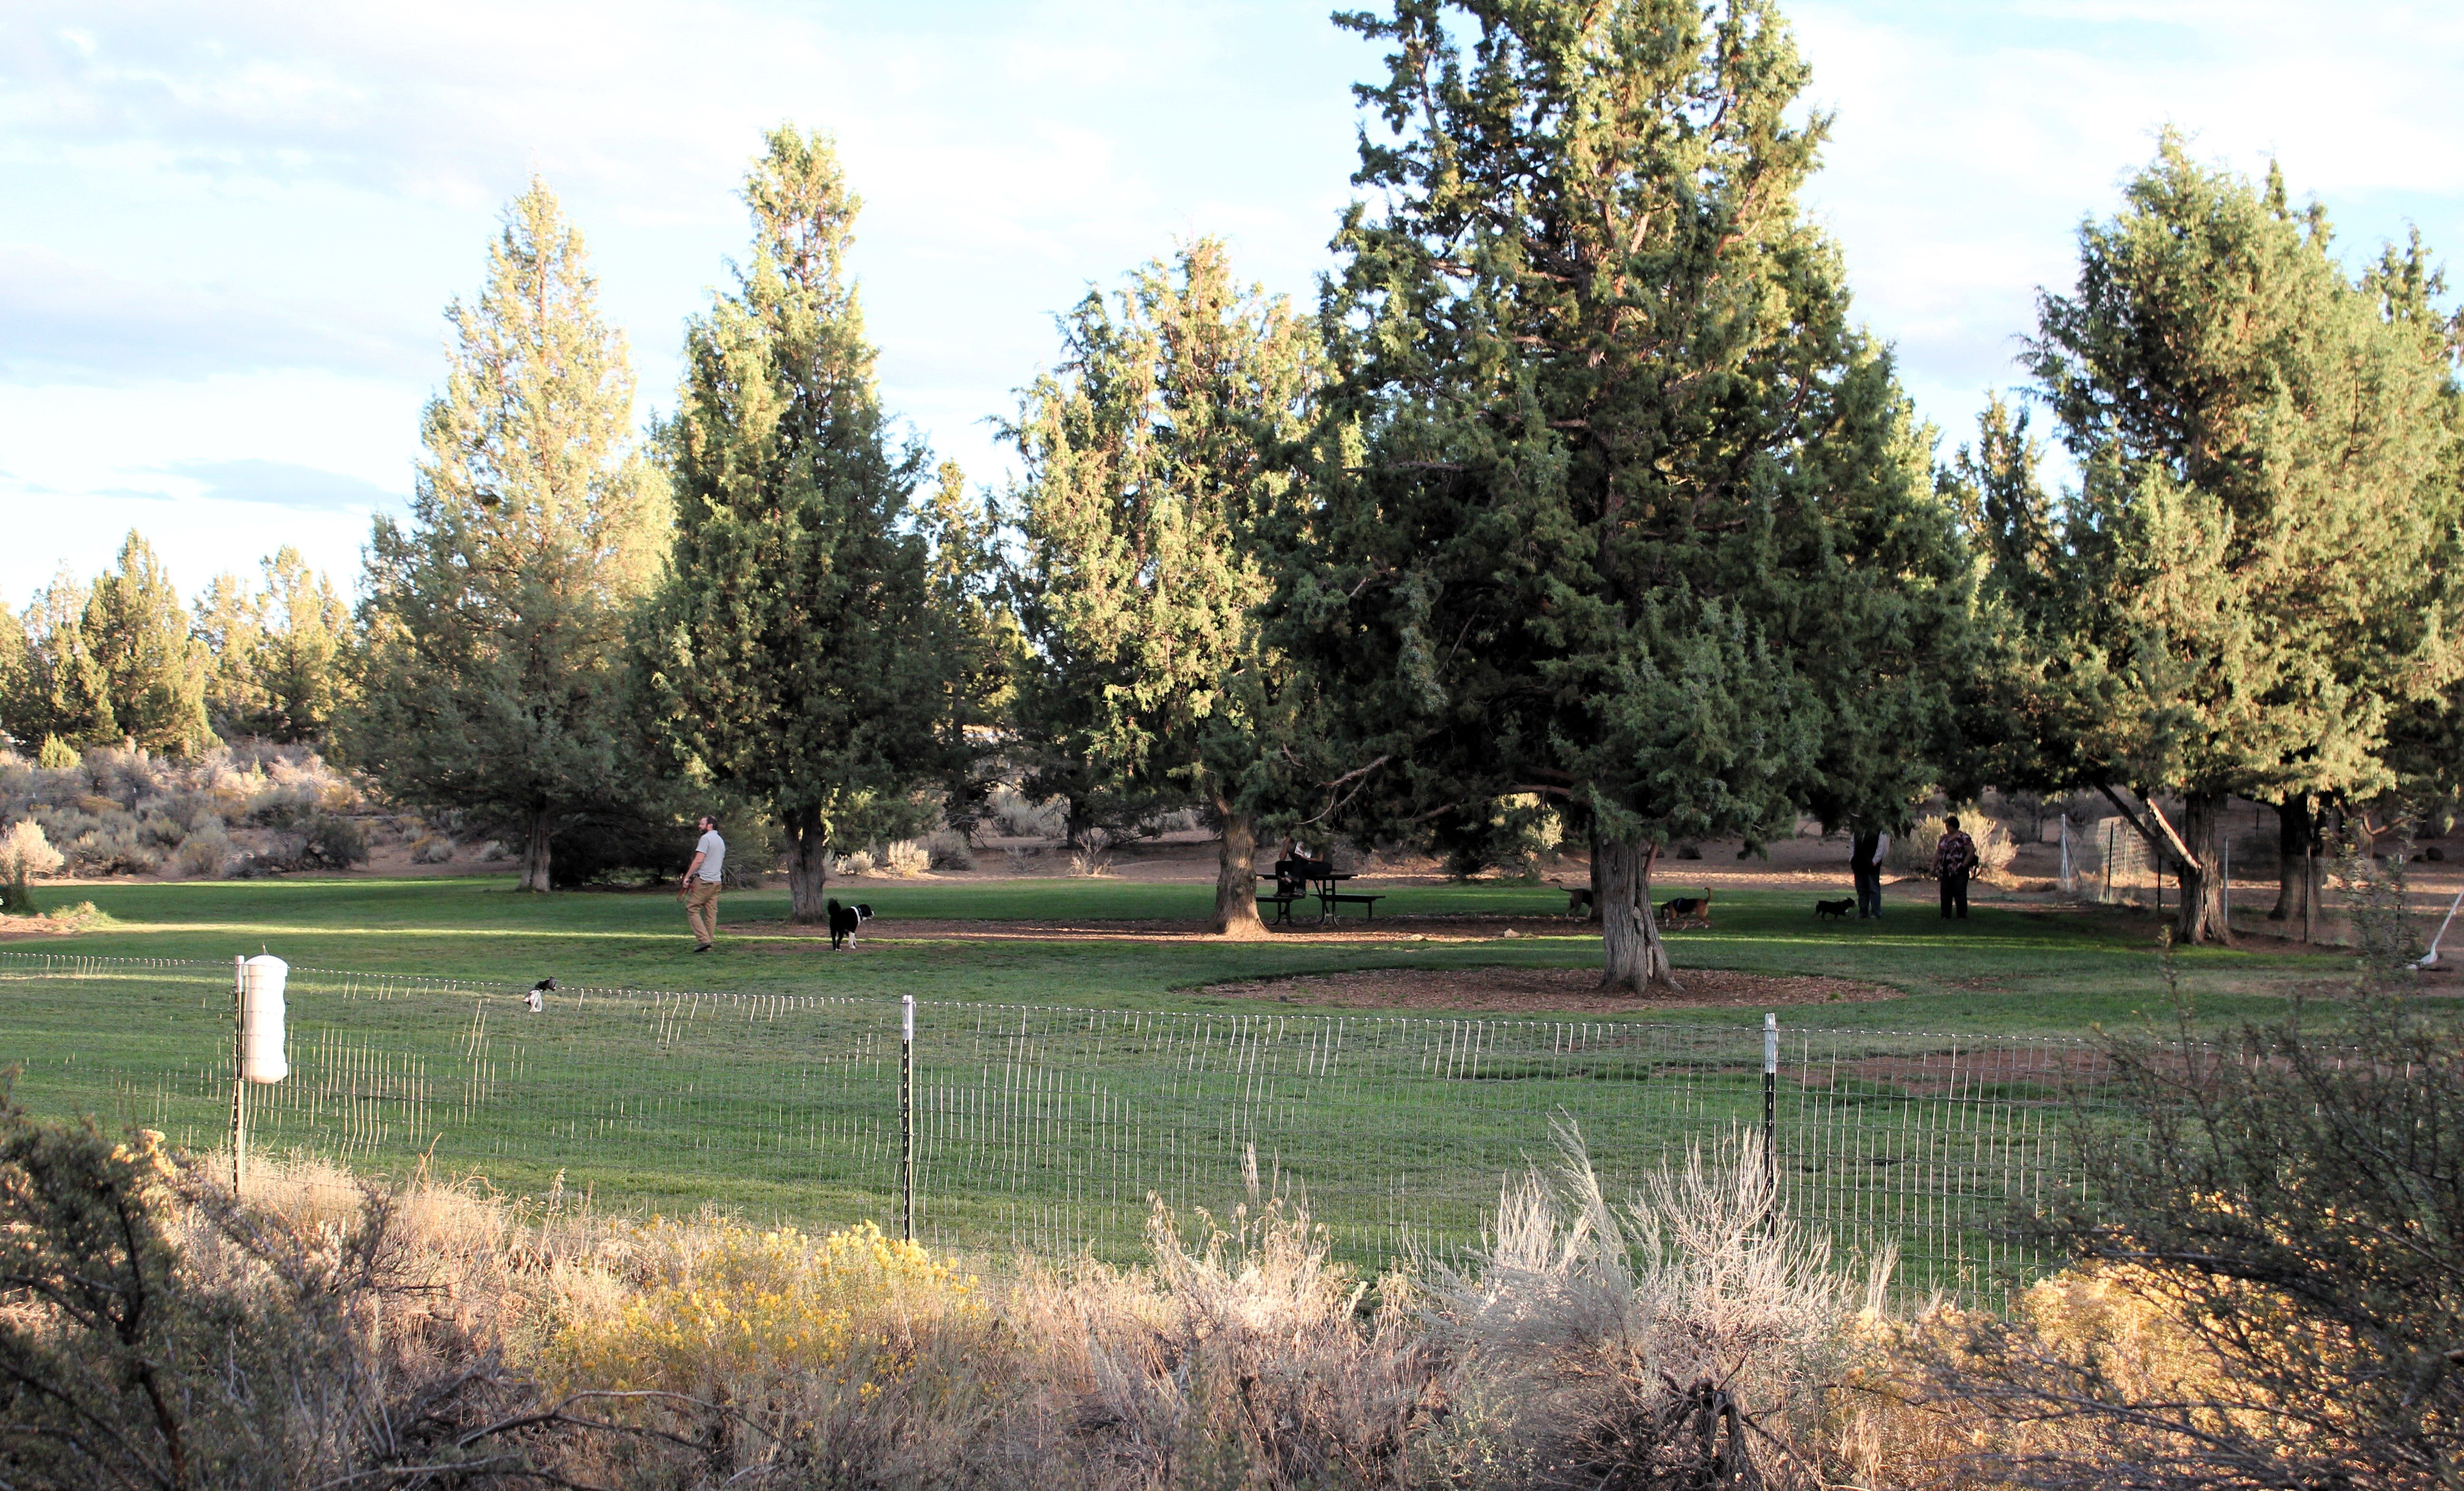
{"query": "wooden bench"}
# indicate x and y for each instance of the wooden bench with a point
(1682, 911)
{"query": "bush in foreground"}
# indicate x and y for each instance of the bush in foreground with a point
(2271, 1276)
(329, 1334)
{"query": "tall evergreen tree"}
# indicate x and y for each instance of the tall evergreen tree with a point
(136, 633)
(2243, 589)
(1644, 525)
(794, 658)
(229, 624)
(980, 638)
(1151, 466)
(59, 690)
(496, 618)
(280, 653)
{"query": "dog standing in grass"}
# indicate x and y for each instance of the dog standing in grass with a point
(700, 886)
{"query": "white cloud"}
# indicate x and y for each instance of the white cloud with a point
(231, 228)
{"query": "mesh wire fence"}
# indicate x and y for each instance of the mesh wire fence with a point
(1051, 1128)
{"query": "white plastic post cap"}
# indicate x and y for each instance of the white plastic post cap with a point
(908, 1022)
(260, 1019)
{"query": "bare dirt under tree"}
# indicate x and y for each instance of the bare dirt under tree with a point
(1532, 990)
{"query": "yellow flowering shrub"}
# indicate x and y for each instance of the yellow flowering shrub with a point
(727, 1309)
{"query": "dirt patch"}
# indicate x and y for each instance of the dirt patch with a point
(17, 928)
(1562, 990)
(1440, 928)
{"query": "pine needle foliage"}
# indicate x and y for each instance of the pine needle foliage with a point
(1643, 524)
(2243, 589)
(496, 617)
(1153, 477)
(56, 691)
(281, 653)
(96, 664)
(797, 658)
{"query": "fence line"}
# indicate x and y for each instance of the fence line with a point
(1049, 1127)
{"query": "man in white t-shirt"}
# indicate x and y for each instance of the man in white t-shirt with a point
(700, 888)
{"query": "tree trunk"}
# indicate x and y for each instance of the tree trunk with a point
(808, 870)
(1236, 878)
(2202, 916)
(536, 851)
(1636, 958)
(2294, 832)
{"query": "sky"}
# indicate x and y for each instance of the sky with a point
(228, 232)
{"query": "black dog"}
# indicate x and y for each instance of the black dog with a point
(1834, 908)
(844, 921)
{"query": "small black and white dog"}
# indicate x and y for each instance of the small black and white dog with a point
(1837, 909)
(844, 921)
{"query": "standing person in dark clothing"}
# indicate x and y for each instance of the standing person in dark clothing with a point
(1952, 860)
(1865, 863)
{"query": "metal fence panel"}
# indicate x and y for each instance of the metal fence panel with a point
(1054, 1129)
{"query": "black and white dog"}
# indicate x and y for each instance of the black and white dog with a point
(844, 921)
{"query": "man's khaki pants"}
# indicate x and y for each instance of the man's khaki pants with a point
(701, 909)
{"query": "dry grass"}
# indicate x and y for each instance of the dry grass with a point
(1686, 1337)
(1576, 1350)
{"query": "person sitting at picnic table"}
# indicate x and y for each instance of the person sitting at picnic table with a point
(1953, 857)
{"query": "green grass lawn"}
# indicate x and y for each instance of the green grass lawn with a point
(778, 1099)
(2006, 970)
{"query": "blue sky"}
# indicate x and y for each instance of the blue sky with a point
(227, 232)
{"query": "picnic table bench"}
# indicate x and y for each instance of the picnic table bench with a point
(1298, 879)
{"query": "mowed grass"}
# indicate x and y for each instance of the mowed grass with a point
(1050, 1127)
(2008, 969)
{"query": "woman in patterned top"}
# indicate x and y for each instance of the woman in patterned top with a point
(1952, 858)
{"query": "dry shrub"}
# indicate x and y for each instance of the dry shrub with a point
(1249, 1359)
(1689, 1338)
(1092, 864)
(160, 1334)
(906, 857)
(1636, 1346)
(205, 851)
(1912, 853)
(774, 1353)
(432, 848)
(1014, 816)
(950, 850)
(24, 853)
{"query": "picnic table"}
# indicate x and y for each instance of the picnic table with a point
(1302, 879)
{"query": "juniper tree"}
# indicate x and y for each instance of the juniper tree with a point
(1152, 466)
(496, 617)
(794, 658)
(136, 634)
(16, 661)
(2242, 590)
(980, 636)
(60, 692)
(280, 653)
(1643, 524)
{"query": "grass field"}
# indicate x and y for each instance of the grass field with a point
(770, 1088)
(2007, 970)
